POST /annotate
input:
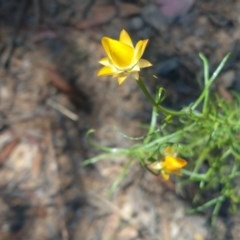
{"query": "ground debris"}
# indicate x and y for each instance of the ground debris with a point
(50, 97)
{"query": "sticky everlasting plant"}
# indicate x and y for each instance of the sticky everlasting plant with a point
(123, 59)
(197, 145)
(170, 163)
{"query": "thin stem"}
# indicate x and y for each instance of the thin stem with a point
(172, 137)
(152, 125)
(208, 81)
(209, 203)
(194, 176)
(164, 110)
(219, 68)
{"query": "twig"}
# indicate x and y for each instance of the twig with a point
(63, 110)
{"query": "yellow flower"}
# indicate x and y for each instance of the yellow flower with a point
(123, 59)
(170, 164)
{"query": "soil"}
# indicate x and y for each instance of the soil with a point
(50, 97)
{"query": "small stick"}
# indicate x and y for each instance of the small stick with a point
(63, 110)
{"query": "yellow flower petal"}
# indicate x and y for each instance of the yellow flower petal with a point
(125, 38)
(143, 63)
(121, 79)
(155, 166)
(139, 50)
(135, 75)
(165, 175)
(105, 71)
(119, 53)
(105, 61)
(173, 164)
(136, 68)
(169, 151)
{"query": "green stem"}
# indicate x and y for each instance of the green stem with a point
(153, 124)
(214, 201)
(164, 110)
(172, 137)
(208, 81)
(194, 176)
